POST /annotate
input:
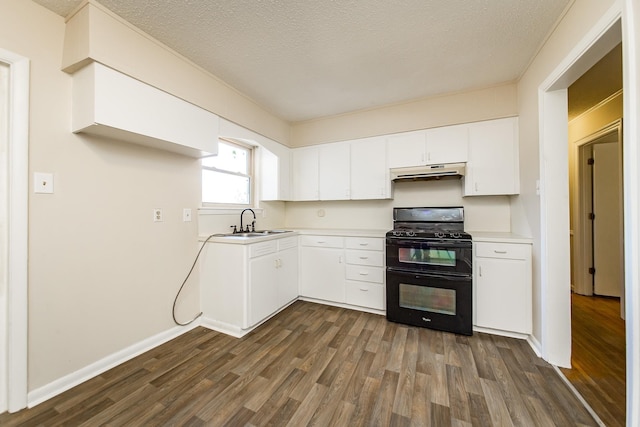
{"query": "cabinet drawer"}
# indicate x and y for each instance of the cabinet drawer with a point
(503, 250)
(365, 294)
(366, 243)
(263, 248)
(365, 273)
(322, 241)
(373, 258)
(287, 242)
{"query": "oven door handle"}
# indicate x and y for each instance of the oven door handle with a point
(419, 275)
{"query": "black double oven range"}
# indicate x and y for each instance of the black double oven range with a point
(429, 269)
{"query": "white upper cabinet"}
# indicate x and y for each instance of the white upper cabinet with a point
(447, 144)
(428, 147)
(492, 166)
(406, 149)
(334, 171)
(369, 171)
(111, 104)
(305, 176)
(275, 172)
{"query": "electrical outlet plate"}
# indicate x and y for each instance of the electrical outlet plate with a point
(186, 215)
(43, 183)
(157, 215)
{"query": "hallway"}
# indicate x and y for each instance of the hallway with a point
(598, 356)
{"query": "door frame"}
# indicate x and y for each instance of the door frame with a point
(581, 205)
(17, 232)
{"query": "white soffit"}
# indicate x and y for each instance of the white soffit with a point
(308, 59)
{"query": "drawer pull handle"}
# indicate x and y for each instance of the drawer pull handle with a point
(364, 244)
(364, 273)
(499, 252)
(364, 289)
(364, 257)
(321, 241)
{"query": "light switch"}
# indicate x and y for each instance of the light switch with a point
(43, 182)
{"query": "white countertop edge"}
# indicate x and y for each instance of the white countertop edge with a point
(498, 237)
(347, 232)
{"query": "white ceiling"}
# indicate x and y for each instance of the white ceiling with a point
(307, 59)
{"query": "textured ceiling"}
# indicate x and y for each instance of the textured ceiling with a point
(307, 59)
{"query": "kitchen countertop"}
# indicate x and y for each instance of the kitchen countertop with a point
(497, 237)
(342, 232)
(222, 238)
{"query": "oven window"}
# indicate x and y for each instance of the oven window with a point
(426, 298)
(430, 256)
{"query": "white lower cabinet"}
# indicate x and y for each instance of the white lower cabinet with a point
(241, 285)
(502, 286)
(343, 270)
(322, 267)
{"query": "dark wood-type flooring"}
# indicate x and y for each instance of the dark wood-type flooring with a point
(598, 356)
(319, 365)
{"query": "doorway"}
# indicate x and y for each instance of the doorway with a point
(14, 236)
(600, 185)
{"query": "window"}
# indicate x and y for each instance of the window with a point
(226, 178)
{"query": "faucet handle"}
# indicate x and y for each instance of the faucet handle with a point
(253, 225)
(235, 230)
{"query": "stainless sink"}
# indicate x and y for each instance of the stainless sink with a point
(261, 233)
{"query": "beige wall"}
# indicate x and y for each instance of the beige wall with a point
(481, 213)
(482, 104)
(102, 275)
(525, 209)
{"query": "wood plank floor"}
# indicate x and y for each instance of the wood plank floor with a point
(598, 356)
(322, 366)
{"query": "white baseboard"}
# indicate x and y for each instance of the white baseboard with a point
(535, 345)
(225, 328)
(67, 382)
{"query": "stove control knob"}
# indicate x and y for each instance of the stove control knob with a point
(411, 233)
(439, 235)
(456, 235)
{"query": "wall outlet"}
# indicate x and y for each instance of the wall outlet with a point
(157, 215)
(186, 215)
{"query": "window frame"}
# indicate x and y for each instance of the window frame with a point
(251, 153)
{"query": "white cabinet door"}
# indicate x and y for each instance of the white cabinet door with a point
(263, 290)
(334, 171)
(406, 149)
(322, 273)
(492, 167)
(305, 173)
(369, 172)
(274, 174)
(447, 144)
(287, 280)
(502, 286)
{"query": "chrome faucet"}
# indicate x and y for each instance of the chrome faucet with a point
(253, 224)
